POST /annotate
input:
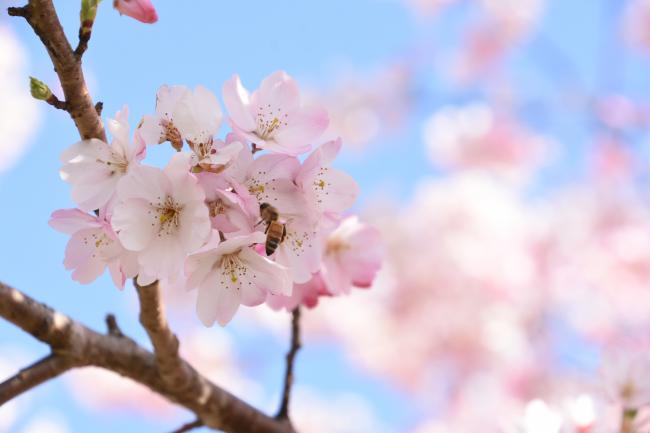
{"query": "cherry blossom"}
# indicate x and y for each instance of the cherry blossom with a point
(352, 257)
(269, 178)
(476, 136)
(232, 212)
(232, 273)
(197, 115)
(214, 155)
(93, 247)
(141, 10)
(161, 214)
(185, 115)
(93, 167)
(306, 294)
(202, 213)
(158, 128)
(273, 117)
(626, 379)
(301, 251)
(327, 190)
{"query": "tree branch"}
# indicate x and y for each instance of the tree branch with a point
(283, 413)
(189, 426)
(57, 103)
(30, 377)
(42, 17)
(217, 408)
(112, 326)
(164, 341)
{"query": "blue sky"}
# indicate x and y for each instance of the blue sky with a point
(205, 42)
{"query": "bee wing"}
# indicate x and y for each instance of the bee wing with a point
(290, 217)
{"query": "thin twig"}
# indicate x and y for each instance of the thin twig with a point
(29, 377)
(22, 11)
(85, 31)
(283, 413)
(112, 326)
(189, 426)
(57, 103)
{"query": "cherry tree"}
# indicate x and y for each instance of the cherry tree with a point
(238, 226)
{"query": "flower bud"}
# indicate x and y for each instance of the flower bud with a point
(39, 89)
(88, 12)
(141, 10)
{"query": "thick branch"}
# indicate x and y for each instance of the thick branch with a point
(214, 406)
(30, 377)
(164, 341)
(283, 413)
(189, 426)
(41, 16)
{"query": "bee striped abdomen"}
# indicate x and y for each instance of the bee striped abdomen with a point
(274, 235)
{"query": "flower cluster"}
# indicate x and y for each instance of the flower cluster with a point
(242, 229)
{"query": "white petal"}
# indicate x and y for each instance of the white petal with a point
(216, 300)
(134, 223)
(237, 101)
(268, 275)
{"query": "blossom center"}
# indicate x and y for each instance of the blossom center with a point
(297, 241)
(168, 213)
(203, 149)
(628, 390)
(100, 240)
(233, 268)
(216, 207)
(269, 121)
(116, 164)
(171, 134)
(336, 246)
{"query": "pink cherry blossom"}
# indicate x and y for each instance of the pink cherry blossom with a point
(232, 273)
(306, 294)
(182, 114)
(161, 214)
(93, 247)
(301, 250)
(234, 211)
(353, 255)
(626, 377)
(141, 10)
(160, 127)
(94, 168)
(326, 189)
(214, 155)
(273, 117)
(269, 178)
(197, 115)
(477, 136)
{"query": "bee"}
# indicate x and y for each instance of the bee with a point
(275, 230)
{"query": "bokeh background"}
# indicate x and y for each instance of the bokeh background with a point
(501, 147)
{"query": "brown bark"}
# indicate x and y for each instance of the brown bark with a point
(42, 17)
(29, 377)
(164, 341)
(81, 346)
